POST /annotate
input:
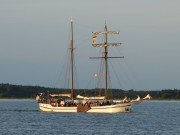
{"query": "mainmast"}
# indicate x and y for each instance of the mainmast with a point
(105, 45)
(105, 62)
(72, 95)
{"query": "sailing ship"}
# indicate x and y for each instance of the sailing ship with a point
(101, 103)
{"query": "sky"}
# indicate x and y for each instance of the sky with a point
(35, 37)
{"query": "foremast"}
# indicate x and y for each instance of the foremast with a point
(105, 45)
(72, 93)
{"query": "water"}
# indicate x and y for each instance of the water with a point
(19, 117)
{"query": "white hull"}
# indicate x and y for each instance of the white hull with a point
(117, 108)
(49, 108)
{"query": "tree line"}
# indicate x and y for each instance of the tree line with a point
(19, 91)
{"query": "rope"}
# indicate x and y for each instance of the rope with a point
(116, 74)
(101, 71)
(75, 71)
(109, 83)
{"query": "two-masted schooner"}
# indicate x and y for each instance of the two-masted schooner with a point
(87, 104)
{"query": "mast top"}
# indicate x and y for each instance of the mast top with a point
(71, 18)
(106, 32)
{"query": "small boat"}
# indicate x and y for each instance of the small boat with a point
(98, 104)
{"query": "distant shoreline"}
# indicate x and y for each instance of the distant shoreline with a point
(9, 91)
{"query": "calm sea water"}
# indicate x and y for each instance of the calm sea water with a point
(22, 117)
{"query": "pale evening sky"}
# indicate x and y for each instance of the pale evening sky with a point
(35, 34)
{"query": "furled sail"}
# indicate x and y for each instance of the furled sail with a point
(90, 98)
(147, 97)
(60, 95)
(125, 98)
(136, 100)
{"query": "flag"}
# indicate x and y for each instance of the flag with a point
(37, 97)
(95, 75)
(94, 37)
